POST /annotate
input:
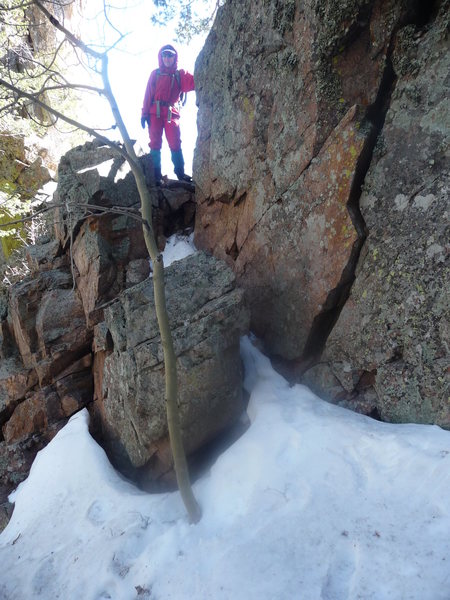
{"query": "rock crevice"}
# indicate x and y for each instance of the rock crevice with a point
(334, 75)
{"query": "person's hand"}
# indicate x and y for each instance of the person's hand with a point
(145, 120)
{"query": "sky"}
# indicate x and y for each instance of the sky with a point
(312, 502)
(131, 63)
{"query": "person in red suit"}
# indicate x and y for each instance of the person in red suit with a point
(160, 109)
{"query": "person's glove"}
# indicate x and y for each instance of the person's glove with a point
(145, 120)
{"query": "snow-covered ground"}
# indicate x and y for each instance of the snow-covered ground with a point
(313, 502)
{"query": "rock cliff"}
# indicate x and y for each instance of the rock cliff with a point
(322, 179)
(80, 330)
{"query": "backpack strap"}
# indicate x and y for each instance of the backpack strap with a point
(183, 95)
(175, 76)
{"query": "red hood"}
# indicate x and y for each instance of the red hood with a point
(162, 68)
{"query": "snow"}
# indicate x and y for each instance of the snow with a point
(312, 502)
(178, 247)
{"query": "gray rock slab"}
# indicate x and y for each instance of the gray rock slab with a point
(207, 316)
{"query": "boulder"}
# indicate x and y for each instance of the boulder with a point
(33, 416)
(108, 249)
(102, 252)
(80, 186)
(104, 244)
(45, 255)
(15, 382)
(83, 190)
(207, 317)
(48, 322)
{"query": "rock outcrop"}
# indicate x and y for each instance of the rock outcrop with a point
(292, 101)
(60, 327)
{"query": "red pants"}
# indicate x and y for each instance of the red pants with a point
(172, 131)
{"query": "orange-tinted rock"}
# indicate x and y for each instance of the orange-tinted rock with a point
(15, 381)
(46, 407)
(33, 415)
(49, 324)
(291, 255)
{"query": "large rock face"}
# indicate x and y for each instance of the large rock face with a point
(55, 344)
(207, 318)
(389, 348)
(282, 131)
(292, 100)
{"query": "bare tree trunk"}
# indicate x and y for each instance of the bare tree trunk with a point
(170, 360)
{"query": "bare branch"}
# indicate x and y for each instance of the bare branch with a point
(103, 210)
(73, 39)
(72, 86)
(43, 66)
(108, 20)
(56, 113)
(7, 107)
(21, 5)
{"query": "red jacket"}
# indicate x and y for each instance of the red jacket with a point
(165, 86)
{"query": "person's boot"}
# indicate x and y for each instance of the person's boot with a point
(156, 160)
(178, 164)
